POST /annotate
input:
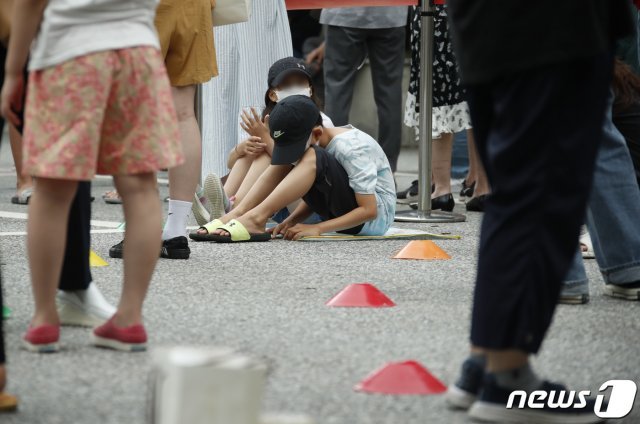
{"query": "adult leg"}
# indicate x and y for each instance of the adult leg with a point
(518, 283)
(441, 164)
(476, 169)
(48, 214)
(613, 214)
(387, 54)
(15, 138)
(143, 215)
(345, 51)
(183, 179)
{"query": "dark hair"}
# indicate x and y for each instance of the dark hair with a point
(626, 85)
(270, 104)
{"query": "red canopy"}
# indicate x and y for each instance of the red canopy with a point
(321, 4)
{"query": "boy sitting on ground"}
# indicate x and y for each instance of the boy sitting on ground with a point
(342, 174)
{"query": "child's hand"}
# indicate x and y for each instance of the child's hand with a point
(253, 125)
(302, 230)
(253, 146)
(11, 100)
(281, 228)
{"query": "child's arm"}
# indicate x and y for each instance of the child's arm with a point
(27, 15)
(367, 210)
(250, 147)
(302, 212)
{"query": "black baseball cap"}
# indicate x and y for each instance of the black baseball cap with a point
(290, 123)
(285, 67)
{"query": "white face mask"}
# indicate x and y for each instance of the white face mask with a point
(292, 91)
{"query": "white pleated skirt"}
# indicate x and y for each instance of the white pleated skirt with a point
(244, 52)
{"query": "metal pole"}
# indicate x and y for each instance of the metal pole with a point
(424, 212)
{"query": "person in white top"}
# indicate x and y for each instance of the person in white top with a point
(99, 101)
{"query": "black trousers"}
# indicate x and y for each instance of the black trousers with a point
(76, 271)
(347, 48)
(537, 133)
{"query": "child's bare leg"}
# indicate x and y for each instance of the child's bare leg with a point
(267, 182)
(258, 166)
(295, 185)
(237, 175)
(48, 216)
(143, 215)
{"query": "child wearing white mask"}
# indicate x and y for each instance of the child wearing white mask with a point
(287, 77)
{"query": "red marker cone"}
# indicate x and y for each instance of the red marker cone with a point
(361, 295)
(401, 378)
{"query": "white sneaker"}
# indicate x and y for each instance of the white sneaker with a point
(85, 308)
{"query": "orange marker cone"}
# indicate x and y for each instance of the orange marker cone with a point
(361, 295)
(401, 378)
(422, 249)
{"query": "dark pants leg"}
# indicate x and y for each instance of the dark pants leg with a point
(387, 54)
(345, 51)
(76, 273)
(538, 133)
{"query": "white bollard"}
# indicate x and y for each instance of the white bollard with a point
(198, 385)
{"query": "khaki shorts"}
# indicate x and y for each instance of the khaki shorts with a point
(186, 37)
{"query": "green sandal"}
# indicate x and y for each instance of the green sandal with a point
(210, 227)
(239, 234)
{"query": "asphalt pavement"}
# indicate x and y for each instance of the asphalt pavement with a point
(268, 300)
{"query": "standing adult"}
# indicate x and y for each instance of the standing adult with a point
(537, 95)
(245, 53)
(80, 302)
(352, 34)
(186, 39)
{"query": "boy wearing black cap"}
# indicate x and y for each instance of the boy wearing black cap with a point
(342, 174)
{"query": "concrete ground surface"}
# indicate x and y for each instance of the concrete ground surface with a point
(268, 300)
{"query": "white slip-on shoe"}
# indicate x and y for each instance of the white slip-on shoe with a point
(85, 308)
(214, 192)
(200, 211)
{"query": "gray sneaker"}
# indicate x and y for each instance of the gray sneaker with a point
(574, 294)
(629, 291)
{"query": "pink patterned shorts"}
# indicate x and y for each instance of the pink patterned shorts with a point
(108, 113)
